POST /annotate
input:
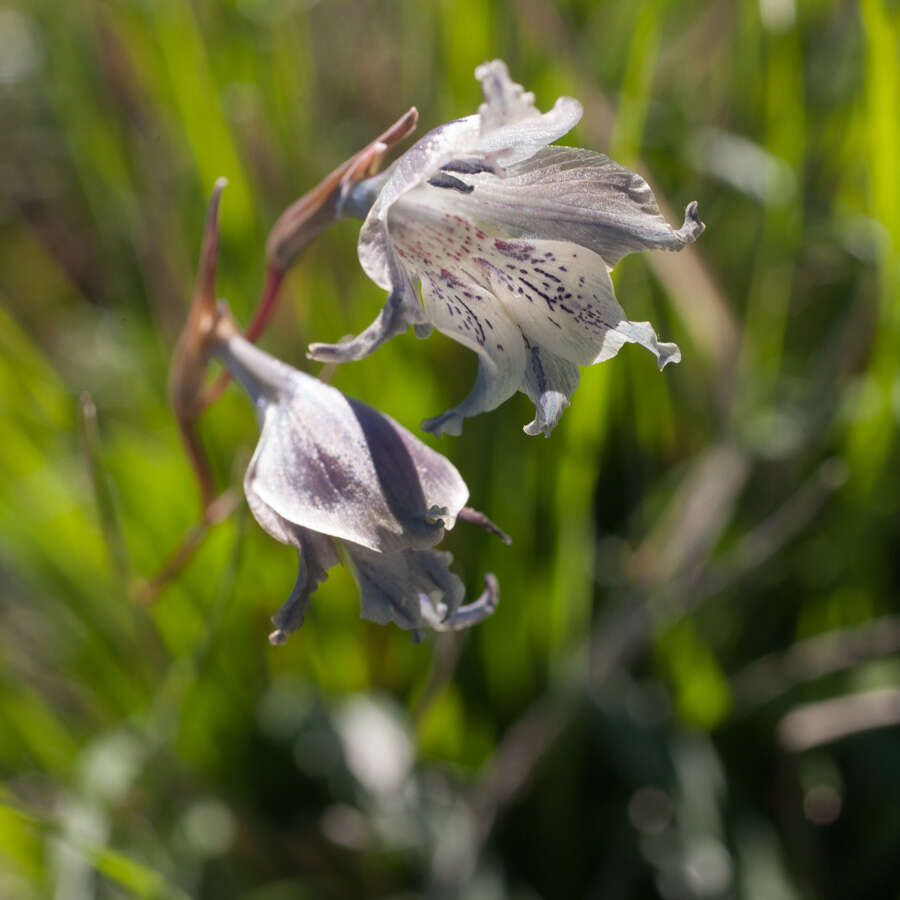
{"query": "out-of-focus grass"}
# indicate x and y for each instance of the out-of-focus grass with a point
(601, 734)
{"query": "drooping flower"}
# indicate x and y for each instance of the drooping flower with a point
(331, 471)
(511, 242)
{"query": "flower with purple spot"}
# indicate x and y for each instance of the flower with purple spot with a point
(511, 242)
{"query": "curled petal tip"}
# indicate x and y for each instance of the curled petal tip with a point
(536, 427)
(668, 353)
(693, 227)
(277, 638)
(448, 423)
(330, 353)
(477, 611)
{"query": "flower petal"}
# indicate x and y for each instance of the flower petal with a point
(399, 312)
(443, 250)
(401, 309)
(508, 128)
(414, 589)
(474, 612)
(481, 290)
(510, 124)
(549, 382)
(562, 298)
(416, 166)
(317, 554)
(336, 466)
(505, 102)
(563, 193)
(473, 317)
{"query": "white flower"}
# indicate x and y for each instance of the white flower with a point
(330, 469)
(512, 242)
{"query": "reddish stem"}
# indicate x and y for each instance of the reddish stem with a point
(260, 318)
(256, 327)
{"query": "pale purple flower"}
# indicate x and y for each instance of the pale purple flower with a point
(511, 242)
(330, 471)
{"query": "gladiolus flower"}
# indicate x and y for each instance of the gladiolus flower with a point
(511, 242)
(330, 470)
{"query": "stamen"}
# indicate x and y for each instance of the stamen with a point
(448, 181)
(468, 166)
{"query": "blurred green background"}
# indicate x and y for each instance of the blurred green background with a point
(690, 688)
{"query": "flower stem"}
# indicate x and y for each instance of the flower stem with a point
(256, 327)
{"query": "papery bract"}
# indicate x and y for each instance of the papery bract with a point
(511, 243)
